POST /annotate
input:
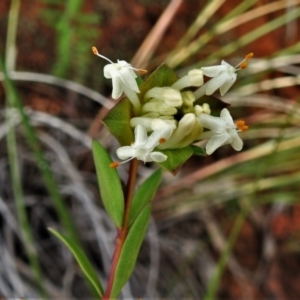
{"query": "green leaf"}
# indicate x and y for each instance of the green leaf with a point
(109, 184)
(198, 150)
(82, 260)
(144, 194)
(130, 250)
(176, 158)
(118, 122)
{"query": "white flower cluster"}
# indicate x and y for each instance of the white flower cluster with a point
(167, 117)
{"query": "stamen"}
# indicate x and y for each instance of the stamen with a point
(95, 51)
(162, 141)
(240, 124)
(243, 64)
(141, 71)
(114, 164)
(249, 55)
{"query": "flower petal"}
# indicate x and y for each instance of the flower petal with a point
(158, 156)
(140, 134)
(216, 82)
(117, 85)
(214, 70)
(216, 124)
(237, 142)
(225, 115)
(126, 152)
(228, 84)
(128, 77)
(216, 141)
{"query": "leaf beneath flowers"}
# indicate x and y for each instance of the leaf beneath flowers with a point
(130, 251)
(198, 151)
(118, 122)
(176, 158)
(109, 184)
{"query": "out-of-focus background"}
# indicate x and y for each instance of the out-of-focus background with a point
(226, 226)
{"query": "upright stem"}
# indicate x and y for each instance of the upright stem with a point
(122, 234)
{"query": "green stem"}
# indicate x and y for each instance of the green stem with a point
(122, 234)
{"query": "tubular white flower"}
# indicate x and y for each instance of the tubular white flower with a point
(223, 131)
(123, 79)
(224, 76)
(143, 146)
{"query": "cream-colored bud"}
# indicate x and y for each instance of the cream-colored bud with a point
(193, 78)
(170, 96)
(196, 77)
(193, 136)
(160, 107)
(188, 102)
(204, 109)
(184, 128)
(146, 122)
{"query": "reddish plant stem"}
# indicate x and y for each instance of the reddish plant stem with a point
(122, 233)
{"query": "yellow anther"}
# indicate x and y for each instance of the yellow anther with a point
(114, 164)
(95, 51)
(243, 65)
(141, 71)
(240, 124)
(249, 55)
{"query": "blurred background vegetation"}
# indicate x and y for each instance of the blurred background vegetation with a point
(226, 226)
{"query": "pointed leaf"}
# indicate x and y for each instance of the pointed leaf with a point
(82, 260)
(176, 158)
(109, 184)
(130, 250)
(198, 150)
(144, 194)
(118, 122)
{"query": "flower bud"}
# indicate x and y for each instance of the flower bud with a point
(193, 78)
(184, 128)
(170, 96)
(188, 102)
(155, 105)
(204, 109)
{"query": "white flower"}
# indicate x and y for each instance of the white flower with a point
(123, 79)
(143, 146)
(223, 131)
(223, 77)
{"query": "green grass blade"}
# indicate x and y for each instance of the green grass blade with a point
(256, 34)
(42, 163)
(82, 260)
(20, 203)
(109, 184)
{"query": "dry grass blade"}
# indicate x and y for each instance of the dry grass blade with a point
(152, 40)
